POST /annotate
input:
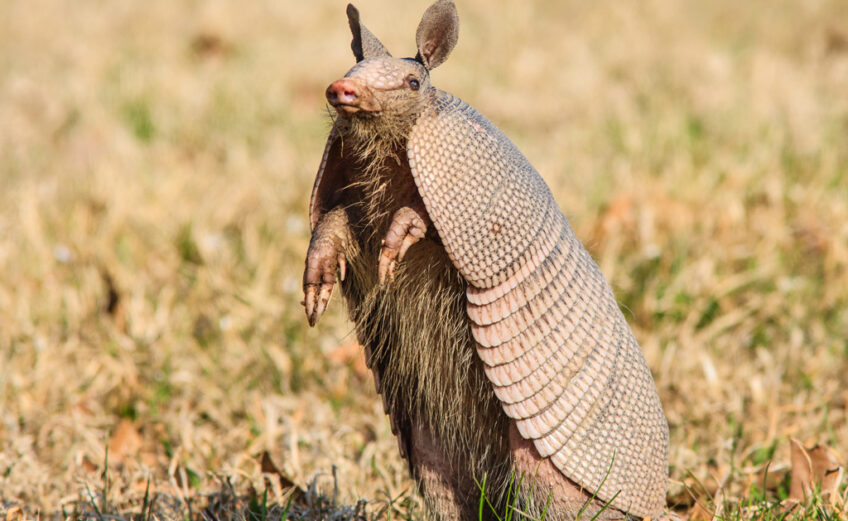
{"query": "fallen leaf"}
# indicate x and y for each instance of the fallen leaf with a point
(814, 469)
(124, 442)
(268, 467)
(209, 44)
(88, 465)
(827, 469)
(15, 514)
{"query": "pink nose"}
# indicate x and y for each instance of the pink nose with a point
(343, 92)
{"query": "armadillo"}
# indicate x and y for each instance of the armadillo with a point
(503, 360)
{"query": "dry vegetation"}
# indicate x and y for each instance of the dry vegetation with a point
(156, 160)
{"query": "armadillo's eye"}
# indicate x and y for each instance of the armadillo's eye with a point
(413, 83)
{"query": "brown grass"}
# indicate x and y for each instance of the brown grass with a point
(156, 160)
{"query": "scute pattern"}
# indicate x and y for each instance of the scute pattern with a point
(558, 351)
(496, 199)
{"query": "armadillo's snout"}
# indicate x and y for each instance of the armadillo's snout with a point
(348, 96)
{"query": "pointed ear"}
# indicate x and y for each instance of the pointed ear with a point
(437, 33)
(364, 44)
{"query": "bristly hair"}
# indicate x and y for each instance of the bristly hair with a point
(378, 144)
(417, 339)
(419, 346)
(375, 138)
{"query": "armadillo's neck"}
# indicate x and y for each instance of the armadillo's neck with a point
(382, 186)
(375, 138)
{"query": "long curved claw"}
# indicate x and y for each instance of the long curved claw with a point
(413, 236)
(342, 267)
(409, 225)
(386, 267)
(317, 296)
(319, 277)
(309, 302)
(323, 299)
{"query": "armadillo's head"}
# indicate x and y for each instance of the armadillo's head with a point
(381, 87)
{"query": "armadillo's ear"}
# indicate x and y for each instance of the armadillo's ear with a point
(364, 44)
(437, 33)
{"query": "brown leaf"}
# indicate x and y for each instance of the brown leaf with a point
(802, 471)
(114, 304)
(88, 465)
(814, 469)
(15, 513)
(699, 513)
(268, 467)
(209, 44)
(836, 41)
(827, 472)
(124, 442)
(267, 464)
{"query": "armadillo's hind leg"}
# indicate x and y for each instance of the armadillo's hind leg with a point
(409, 225)
(326, 253)
(544, 488)
(435, 477)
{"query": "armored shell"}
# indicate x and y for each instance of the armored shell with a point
(557, 349)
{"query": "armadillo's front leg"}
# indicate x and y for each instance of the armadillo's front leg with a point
(409, 225)
(326, 253)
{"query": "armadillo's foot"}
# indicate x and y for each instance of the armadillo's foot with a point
(320, 277)
(325, 255)
(409, 225)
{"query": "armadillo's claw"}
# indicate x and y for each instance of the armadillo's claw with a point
(309, 303)
(323, 299)
(386, 268)
(409, 225)
(413, 236)
(319, 277)
(317, 298)
(383, 266)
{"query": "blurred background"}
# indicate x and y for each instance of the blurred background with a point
(156, 160)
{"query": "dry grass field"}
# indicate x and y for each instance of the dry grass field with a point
(155, 164)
